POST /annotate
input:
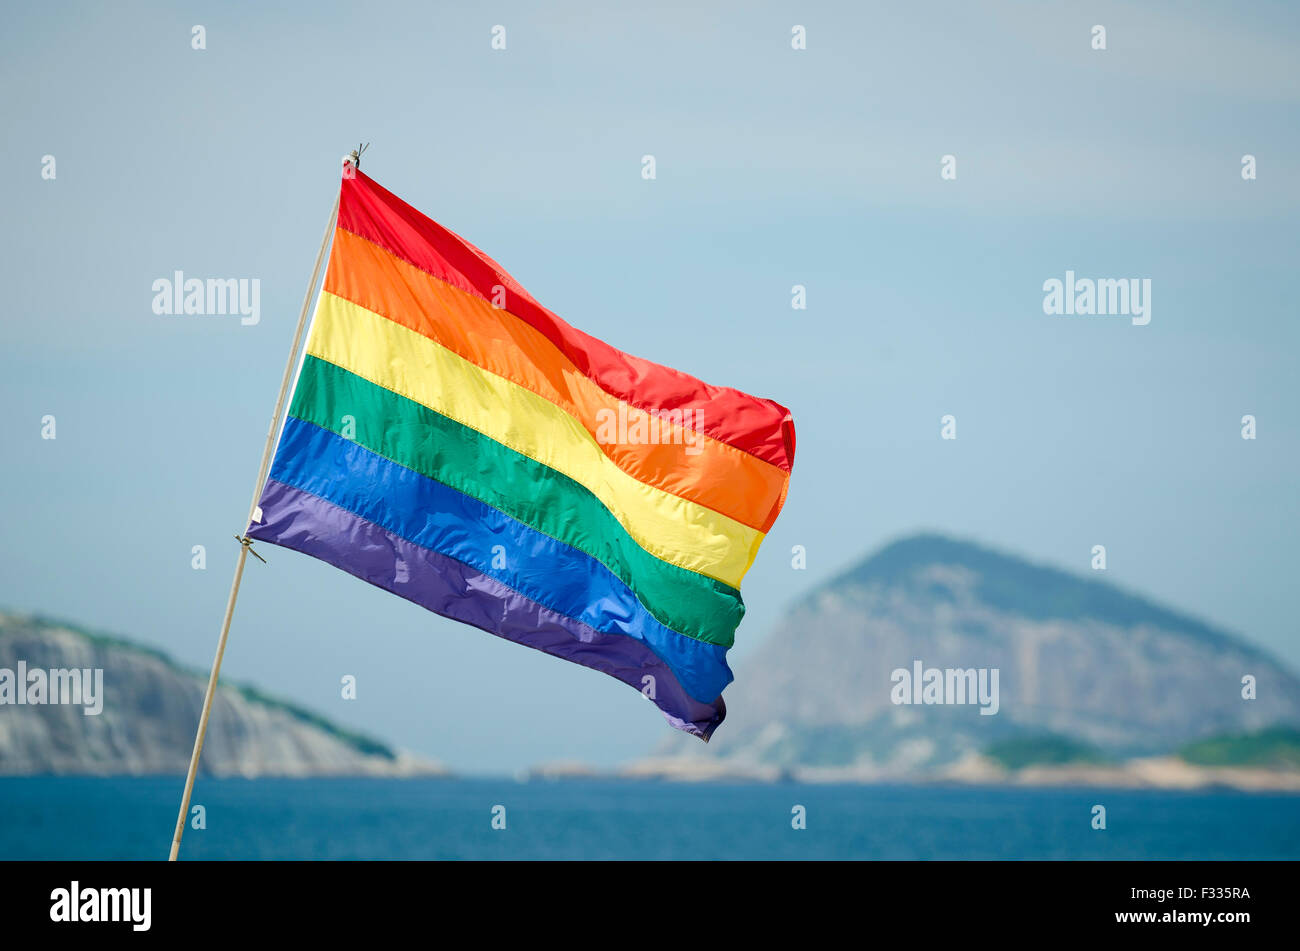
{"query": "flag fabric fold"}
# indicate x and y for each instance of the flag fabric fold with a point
(451, 441)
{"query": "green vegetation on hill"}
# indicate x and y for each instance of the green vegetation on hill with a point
(357, 741)
(361, 743)
(1043, 749)
(820, 745)
(107, 640)
(1275, 746)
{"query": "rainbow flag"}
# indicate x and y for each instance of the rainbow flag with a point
(454, 442)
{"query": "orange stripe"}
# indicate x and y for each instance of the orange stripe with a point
(757, 426)
(701, 469)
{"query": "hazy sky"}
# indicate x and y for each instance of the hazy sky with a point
(775, 167)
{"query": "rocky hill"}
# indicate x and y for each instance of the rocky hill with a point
(1082, 666)
(149, 710)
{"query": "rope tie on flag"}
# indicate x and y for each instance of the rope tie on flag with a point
(248, 543)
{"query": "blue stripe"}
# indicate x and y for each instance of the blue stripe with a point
(435, 516)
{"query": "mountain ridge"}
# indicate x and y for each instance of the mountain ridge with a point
(1095, 593)
(149, 726)
(1080, 659)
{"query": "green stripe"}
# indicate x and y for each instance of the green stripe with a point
(412, 435)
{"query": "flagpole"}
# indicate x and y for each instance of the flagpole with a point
(245, 542)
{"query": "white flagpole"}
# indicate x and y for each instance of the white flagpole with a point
(244, 541)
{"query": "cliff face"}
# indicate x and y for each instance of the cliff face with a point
(150, 711)
(1077, 658)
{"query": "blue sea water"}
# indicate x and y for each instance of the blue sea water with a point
(133, 818)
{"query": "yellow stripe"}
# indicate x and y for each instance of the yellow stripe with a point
(671, 528)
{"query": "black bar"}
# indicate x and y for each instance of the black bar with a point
(648, 903)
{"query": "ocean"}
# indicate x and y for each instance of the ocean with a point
(133, 818)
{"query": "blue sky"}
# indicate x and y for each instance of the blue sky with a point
(775, 167)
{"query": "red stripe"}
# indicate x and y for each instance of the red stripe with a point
(763, 428)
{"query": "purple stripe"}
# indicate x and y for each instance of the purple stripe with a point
(309, 524)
